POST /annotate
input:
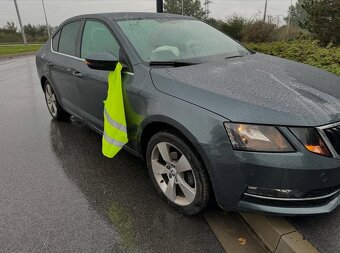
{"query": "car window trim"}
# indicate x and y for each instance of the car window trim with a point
(71, 56)
(56, 34)
(78, 45)
(83, 60)
(60, 30)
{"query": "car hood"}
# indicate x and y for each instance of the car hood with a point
(256, 89)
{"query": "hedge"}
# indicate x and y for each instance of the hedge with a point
(305, 51)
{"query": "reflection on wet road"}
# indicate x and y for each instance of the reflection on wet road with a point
(58, 193)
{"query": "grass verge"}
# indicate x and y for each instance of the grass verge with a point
(10, 50)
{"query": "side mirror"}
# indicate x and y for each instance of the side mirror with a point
(102, 61)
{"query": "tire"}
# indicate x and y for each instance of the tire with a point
(180, 177)
(53, 105)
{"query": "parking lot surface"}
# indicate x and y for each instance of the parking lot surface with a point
(59, 194)
(323, 231)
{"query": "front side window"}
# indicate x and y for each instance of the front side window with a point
(98, 38)
(178, 40)
(68, 38)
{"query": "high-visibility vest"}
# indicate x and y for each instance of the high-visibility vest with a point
(115, 132)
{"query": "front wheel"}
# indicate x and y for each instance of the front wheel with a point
(177, 173)
(53, 105)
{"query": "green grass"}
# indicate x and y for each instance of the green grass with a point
(305, 51)
(9, 50)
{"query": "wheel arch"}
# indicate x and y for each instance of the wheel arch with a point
(43, 79)
(158, 123)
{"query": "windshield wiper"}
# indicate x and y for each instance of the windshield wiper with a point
(234, 56)
(172, 63)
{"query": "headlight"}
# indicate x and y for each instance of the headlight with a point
(257, 138)
(312, 140)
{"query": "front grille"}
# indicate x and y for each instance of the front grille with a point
(333, 134)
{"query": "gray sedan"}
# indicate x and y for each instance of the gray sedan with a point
(212, 119)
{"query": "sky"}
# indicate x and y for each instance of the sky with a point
(58, 10)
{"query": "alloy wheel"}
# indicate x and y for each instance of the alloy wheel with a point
(51, 100)
(173, 173)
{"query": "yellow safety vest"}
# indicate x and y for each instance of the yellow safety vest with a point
(115, 132)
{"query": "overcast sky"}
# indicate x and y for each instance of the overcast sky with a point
(59, 10)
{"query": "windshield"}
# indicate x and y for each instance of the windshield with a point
(168, 40)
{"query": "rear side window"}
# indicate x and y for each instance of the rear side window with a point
(68, 38)
(55, 41)
(98, 38)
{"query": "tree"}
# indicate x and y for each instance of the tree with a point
(297, 14)
(323, 20)
(9, 28)
(235, 26)
(191, 8)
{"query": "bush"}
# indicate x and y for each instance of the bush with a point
(305, 51)
(294, 32)
(234, 26)
(259, 31)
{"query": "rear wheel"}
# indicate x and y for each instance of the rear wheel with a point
(177, 173)
(53, 105)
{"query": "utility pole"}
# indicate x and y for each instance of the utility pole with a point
(21, 27)
(182, 7)
(265, 12)
(47, 26)
(159, 6)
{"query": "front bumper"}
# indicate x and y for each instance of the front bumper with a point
(233, 171)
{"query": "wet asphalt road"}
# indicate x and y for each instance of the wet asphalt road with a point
(59, 194)
(322, 230)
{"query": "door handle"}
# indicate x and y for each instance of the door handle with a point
(77, 74)
(50, 64)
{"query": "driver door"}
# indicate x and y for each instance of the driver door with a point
(92, 85)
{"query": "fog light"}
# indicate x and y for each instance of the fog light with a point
(274, 193)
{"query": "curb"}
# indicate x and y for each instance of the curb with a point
(233, 233)
(278, 234)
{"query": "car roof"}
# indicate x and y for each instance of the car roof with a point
(117, 16)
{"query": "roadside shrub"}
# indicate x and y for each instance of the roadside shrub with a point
(259, 31)
(216, 23)
(305, 51)
(234, 26)
(294, 32)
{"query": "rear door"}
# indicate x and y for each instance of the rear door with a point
(92, 84)
(62, 62)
